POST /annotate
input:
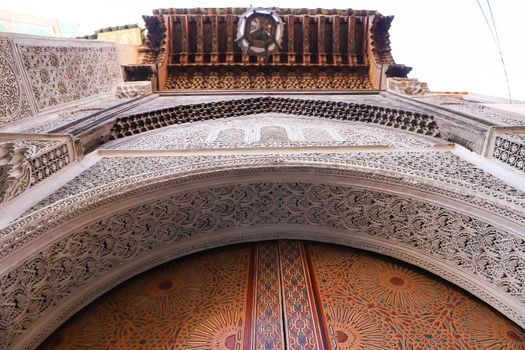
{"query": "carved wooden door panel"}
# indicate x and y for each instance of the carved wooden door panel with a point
(285, 312)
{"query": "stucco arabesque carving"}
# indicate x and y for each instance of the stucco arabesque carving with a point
(486, 253)
(14, 97)
(407, 86)
(15, 171)
(439, 172)
(38, 74)
(26, 162)
(99, 193)
(64, 72)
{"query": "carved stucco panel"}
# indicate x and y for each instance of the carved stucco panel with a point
(64, 71)
(14, 98)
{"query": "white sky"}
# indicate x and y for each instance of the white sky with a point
(446, 41)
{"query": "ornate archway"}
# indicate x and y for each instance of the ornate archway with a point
(105, 236)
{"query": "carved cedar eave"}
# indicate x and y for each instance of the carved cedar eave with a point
(236, 11)
(155, 51)
(314, 40)
(155, 45)
(382, 64)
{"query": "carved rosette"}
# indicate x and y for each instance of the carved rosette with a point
(510, 149)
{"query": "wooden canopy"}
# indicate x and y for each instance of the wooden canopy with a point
(321, 49)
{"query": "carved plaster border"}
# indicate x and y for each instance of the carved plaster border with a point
(31, 227)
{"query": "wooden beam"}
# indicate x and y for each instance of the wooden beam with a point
(366, 23)
(184, 39)
(199, 54)
(306, 39)
(291, 40)
(352, 57)
(321, 38)
(214, 38)
(229, 26)
(336, 43)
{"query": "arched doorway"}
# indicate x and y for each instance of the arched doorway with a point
(287, 295)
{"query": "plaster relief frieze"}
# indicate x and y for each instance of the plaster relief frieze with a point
(415, 122)
(407, 86)
(480, 110)
(440, 172)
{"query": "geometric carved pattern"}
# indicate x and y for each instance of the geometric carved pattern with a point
(465, 243)
(268, 329)
(510, 150)
(405, 120)
(302, 326)
(365, 302)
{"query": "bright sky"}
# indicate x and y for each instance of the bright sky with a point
(447, 42)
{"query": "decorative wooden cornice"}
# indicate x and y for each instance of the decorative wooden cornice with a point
(182, 40)
(155, 47)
